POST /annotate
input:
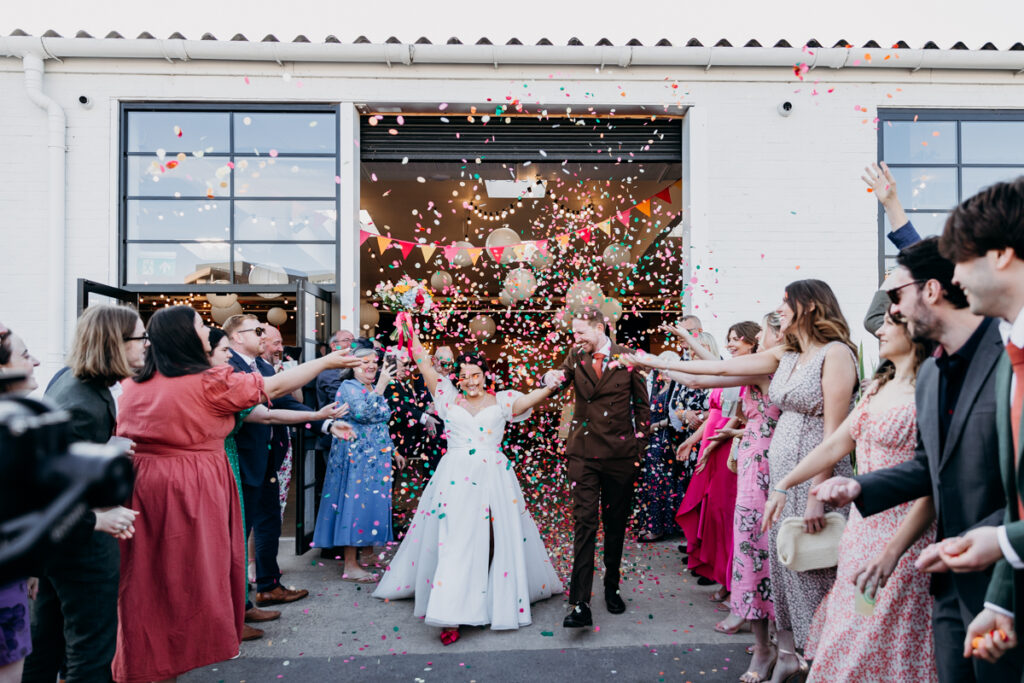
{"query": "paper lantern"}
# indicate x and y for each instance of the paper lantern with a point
(505, 298)
(368, 316)
(482, 327)
(462, 258)
(521, 283)
(441, 280)
(583, 293)
(221, 314)
(277, 316)
(503, 237)
(540, 260)
(616, 255)
(611, 309)
(221, 300)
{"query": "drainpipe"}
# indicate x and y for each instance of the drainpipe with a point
(56, 228)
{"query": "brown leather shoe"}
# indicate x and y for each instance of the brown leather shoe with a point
(257, 615)
(279, 596)
(250, 633)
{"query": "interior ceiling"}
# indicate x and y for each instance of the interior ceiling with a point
(425, 202)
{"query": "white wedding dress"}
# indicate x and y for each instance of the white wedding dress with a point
(443, 559)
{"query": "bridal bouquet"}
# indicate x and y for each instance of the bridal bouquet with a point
(406, 295)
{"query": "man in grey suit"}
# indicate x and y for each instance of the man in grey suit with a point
(957, 459)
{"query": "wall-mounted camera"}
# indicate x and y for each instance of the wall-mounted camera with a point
(85, 101)
(785, 108)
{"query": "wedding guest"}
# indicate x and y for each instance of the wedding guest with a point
(813, 383)
(655, 512)
(706, 513)
(220, 354)
(984, 237)
(74, 616)
(957, 456)
(689, 408)
(181, 598)
(15, 595)
(355, 511)
(879, 596)
(880, 182)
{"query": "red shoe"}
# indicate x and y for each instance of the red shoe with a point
(449, 636)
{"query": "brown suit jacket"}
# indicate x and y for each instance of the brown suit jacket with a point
(610, 412)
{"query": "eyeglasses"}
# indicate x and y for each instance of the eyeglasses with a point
(894, 293)
(144, 337)
(258, 330)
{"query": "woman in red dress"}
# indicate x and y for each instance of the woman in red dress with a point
(182, 598)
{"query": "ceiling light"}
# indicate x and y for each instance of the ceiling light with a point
(514, 189)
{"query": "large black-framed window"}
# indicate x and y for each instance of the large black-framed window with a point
(939, 157)
(242, 193)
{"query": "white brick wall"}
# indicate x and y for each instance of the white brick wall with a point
(782, 196)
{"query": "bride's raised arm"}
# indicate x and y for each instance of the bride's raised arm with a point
(422, 360)
(532, 399)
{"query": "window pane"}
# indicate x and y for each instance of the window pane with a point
(178, 263)
(919, 142)
(264, 264)
(189, 177)
(992, 142)
(149, 131)
(975, 179)
(284, 220)
(284, 133)
(172, 219)
(292, 177)
(926, 224)
(926, 188)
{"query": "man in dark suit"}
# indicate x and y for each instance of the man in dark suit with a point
(414, 430)
(261, 450)
(607, 436)
(984, 236)
(957, 459)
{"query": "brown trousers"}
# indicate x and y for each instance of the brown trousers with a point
(602, 487)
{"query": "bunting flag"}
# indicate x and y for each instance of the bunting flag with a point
(520, 250)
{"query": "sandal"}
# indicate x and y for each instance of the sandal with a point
(368, 578)
(751, 676)
(449, 635)
(733, 630)
(720, 595)
(798, 676)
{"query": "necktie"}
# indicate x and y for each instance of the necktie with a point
(1016, 355)
(598, 364)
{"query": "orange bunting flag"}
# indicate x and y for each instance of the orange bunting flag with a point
(644, 207)
(474, 253)
(605, 227)
(496, 253)
(383, 243)
(518, 250)
(623, 217)
(563, 240)
(428, 251)
(406, 248)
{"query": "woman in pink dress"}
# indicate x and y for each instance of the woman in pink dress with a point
(707, 511)
(875, 622)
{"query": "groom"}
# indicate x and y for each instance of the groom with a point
(607, 438)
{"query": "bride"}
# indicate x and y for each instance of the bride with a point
(472, 555)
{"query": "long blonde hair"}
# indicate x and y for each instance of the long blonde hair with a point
(98, 351)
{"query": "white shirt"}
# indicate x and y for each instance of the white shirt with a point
(607, 351)
(248, 361)
(115, 390)
(1011, 333)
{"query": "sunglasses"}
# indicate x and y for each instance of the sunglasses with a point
(258, 330)
(894, 293)
(144, 337)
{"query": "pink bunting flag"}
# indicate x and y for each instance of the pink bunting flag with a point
(623, 217)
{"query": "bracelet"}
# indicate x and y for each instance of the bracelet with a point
(784, 492)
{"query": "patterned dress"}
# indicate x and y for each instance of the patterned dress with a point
(656, 502)
(797, 392)
(751, 580)
(845, 645)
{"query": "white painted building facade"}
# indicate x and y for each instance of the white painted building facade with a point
(767, 198)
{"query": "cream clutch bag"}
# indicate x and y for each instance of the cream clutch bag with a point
(803, 552)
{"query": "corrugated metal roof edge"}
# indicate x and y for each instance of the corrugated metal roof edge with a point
(575, 42)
